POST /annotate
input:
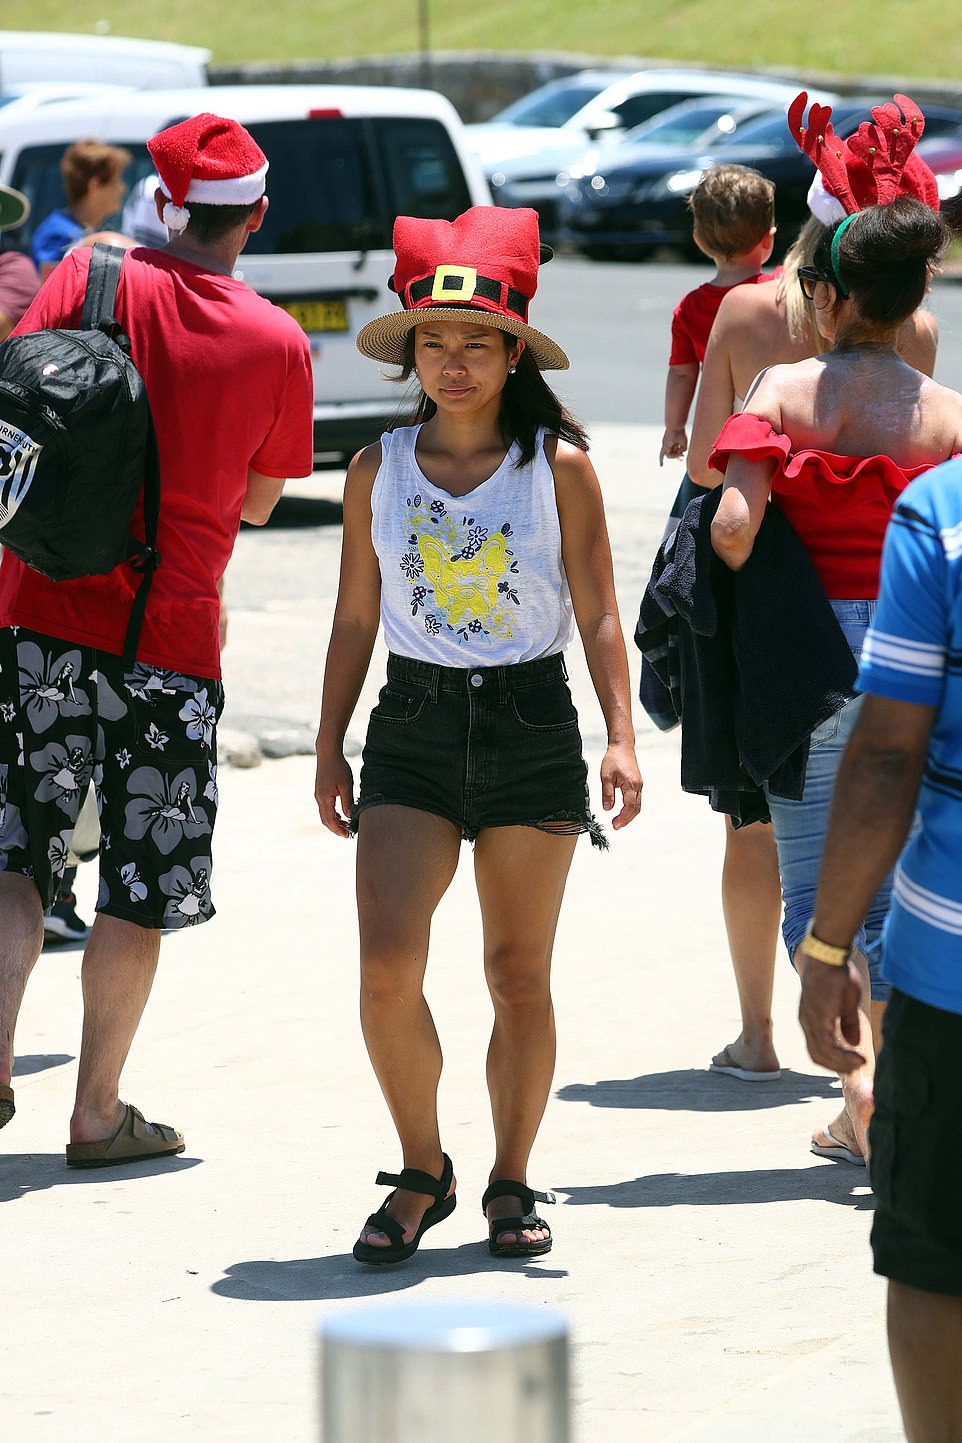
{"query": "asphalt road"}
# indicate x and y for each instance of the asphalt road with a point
(614, 322)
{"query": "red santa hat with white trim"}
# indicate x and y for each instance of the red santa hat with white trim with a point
(209, 160)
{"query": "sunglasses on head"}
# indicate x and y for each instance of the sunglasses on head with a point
(809, 278)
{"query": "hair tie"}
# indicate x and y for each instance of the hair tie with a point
(843, 227)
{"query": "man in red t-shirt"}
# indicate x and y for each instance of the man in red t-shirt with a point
(229, 380)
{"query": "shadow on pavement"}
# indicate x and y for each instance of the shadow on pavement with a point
(698, 1090)
(301, 1280)
(31, 1062)
(823, 1182)
(22, 1173)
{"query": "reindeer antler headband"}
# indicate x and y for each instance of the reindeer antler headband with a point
(872, 167)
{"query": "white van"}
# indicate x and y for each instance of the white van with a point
(344, 162)
(29, 57)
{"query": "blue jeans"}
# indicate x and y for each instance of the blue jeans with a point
(800, 826)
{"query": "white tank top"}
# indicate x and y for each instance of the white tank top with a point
(473, 580)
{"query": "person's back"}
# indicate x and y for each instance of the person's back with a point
(882, 406)
(229, 381)
(763, 326)
(216, 360)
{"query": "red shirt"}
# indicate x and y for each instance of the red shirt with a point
(229, 380)
(839, 505)
(694, 317)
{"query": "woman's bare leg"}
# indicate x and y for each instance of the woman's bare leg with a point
(752, 903)
(405, 862)
(521, 874)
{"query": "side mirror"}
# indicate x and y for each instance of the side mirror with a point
(603, 124)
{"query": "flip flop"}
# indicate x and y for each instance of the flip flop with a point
(744, 1074)
(7, 1108)
(134, 1141)
(837, 1150)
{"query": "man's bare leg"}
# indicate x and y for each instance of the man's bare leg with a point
(119, 963)
(925, 1345)
(21, 938)
(752, 903)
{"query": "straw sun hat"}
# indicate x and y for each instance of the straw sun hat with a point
(481, 268)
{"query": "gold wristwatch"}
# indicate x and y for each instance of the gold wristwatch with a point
(824, 951)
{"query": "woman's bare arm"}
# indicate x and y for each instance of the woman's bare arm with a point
(716, 399)
(356, 620)
(586, 553)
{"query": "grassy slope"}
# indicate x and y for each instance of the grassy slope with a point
(921, 39)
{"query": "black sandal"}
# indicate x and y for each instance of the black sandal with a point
(412, 1180)
(519, 1249)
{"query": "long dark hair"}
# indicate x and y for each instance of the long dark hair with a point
(527, 404)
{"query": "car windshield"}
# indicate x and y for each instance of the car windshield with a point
(685, 124)
(768, 129)
(550, 106)
(772, 127)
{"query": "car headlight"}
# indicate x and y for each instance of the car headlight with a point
(683, 182)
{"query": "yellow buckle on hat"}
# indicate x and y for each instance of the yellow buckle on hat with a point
(468, 277)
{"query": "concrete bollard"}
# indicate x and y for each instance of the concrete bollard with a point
(445, 1373)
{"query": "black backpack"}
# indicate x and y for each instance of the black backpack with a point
(78, 446)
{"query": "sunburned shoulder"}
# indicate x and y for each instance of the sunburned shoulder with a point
(743, 303)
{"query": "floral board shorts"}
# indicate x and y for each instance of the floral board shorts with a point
(146, 738)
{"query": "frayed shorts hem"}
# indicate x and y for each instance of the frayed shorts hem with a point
(563, 824)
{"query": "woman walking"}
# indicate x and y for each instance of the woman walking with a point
(758, 327)
(834, 440)
(475, 536)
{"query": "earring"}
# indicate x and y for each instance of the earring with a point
(511, 370)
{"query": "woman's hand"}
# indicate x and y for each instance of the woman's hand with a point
(333, 783)
(619, 773)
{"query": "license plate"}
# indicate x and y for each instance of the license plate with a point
(317, 315)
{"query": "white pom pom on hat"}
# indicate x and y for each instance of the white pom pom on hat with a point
(210, 160)
(824, 206)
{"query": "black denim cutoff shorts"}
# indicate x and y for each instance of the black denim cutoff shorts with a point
(914, 1141)
(482, 746)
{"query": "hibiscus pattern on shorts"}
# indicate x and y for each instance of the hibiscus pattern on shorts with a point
(145, 738)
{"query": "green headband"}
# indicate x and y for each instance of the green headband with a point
(835, 242)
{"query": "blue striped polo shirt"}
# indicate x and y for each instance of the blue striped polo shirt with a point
(913, 653)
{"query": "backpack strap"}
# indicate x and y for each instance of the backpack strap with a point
(100, 298)
(101, 293)
(144, 558)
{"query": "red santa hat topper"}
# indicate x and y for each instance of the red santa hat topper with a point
(872, 167)
(209, 160)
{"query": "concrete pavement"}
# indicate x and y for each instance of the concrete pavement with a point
(715, 1275)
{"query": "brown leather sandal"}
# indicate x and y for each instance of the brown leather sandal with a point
(134, 1141)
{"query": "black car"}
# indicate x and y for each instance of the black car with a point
(637, 200)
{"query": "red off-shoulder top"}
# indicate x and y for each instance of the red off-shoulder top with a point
(839, 505)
